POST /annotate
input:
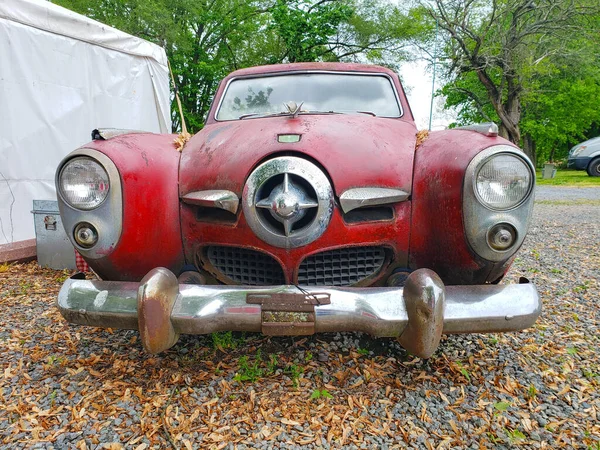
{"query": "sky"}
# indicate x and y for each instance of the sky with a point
(417, 80)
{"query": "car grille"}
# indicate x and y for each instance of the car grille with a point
(245, 266)
(341, 267)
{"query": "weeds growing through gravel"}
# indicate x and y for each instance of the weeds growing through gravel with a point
(320, 393)
(225, 340)
(501, 406)
(249, 371)
(515, 436)
(294, 372)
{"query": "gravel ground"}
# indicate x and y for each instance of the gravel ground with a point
(63, 386)
(567, 194)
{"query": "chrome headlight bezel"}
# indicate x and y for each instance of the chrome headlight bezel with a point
(106, 218)
(479, 218)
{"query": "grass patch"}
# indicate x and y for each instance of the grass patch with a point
(568, 202)
(568, 177)
(226, 340)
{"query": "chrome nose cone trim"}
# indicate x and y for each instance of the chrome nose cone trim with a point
(288, 202)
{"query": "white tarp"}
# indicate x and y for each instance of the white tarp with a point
(61, 76)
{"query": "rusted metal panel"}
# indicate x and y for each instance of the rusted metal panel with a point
(222, 155)
(148, 165)
(285, 314)
(437, 239)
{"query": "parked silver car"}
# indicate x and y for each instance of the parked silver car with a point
(586, 156)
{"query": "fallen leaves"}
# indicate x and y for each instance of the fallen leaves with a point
(58, 379)
(181, 140)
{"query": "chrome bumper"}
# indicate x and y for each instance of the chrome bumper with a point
(161, 309)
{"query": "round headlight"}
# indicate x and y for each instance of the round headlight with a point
(83, 183)
(503, 181)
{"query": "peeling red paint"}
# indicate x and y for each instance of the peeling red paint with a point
(437, 231)
(151, 234)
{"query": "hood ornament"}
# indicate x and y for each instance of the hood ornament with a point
(292, 108)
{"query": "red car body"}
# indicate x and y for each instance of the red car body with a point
(428, 229)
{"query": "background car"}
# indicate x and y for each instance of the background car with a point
(308, 203)
(586, 156)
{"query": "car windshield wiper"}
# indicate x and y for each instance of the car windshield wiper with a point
(244, 116)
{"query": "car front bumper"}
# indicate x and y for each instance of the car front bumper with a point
(578, 163)
(161, 309)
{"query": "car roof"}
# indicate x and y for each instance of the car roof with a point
(311, 66)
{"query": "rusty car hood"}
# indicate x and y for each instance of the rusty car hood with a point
(355, 150)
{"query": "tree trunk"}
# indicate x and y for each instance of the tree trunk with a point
(509, 112)
(529, 148)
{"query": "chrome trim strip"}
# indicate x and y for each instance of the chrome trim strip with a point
(370, 196)
(378, 311)
(304, 71)
(215, 198)
(487, 129)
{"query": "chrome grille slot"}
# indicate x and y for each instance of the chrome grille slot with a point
(245, 266)
(341, 267)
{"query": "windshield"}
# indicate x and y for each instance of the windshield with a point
(318, 92)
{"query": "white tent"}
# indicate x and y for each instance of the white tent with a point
(61, 76)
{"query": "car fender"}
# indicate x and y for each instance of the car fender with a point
(151, 234)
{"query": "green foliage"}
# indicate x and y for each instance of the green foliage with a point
(207, 39)
(515, 436)
(565, 177)
(294, 371)
(317, 394)
(305, 27)
(463, 371)
(501, 406)
(272, 364)
(534, 70)
(249, 371)
(225, 340)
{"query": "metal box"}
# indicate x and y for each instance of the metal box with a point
(54, 250)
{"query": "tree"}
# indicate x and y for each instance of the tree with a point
(206, 39)
(494, 49)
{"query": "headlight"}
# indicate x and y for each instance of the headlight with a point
(83, 183)
(503, 181)
(577, 150)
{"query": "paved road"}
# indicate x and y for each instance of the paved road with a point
(567, 193)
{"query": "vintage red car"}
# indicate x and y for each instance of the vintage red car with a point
(308, 203)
